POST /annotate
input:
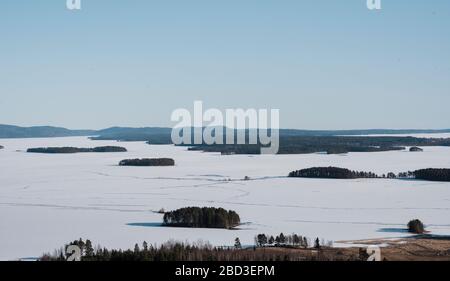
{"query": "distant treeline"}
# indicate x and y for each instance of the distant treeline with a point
(177, 251)
(341, 173)
(148, 162)
(327, 144)
(76, 149)
(206, 217)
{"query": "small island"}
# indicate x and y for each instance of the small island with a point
(416, 226)
(148, 162)
(1, 147)
(415, 149)
(206, 217)
(67, 150)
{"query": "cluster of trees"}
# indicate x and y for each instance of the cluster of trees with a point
(292, 240)
(331, 173)
(263, 240)
(429, 174)
(76, 149)
(206, 217)
(1, 147)
(433, 174)
(148, 162)
(176, 251)
(416, 226)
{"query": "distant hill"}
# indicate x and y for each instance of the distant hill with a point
(154, 135)
(9, 131)
(161, 135)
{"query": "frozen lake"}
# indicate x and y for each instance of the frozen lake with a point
(47, 200)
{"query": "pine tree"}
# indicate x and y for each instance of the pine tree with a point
(88, 249)
(317, 243)
(282, 238)
(136, 248)
(305, 242)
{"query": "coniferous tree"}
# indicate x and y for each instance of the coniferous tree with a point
(261, 240)
(88, 249)
(317, 243)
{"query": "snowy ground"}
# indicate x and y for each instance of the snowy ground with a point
(47, 200)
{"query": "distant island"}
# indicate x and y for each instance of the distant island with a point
(415, 149)
(148, 162)
(206, 217)
(1, 147)
(331, 173)
(66, 150)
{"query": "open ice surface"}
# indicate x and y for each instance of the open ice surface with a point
(48, 200)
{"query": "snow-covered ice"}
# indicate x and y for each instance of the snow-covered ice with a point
(47, 200)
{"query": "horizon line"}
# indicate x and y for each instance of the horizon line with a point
(166, 127)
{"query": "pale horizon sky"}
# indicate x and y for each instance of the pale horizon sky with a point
(325, 64)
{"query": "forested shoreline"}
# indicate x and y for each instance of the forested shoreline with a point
(327, 144)
(433, 174)
(342, 173)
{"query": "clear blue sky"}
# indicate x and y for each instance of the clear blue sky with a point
(326, 64)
